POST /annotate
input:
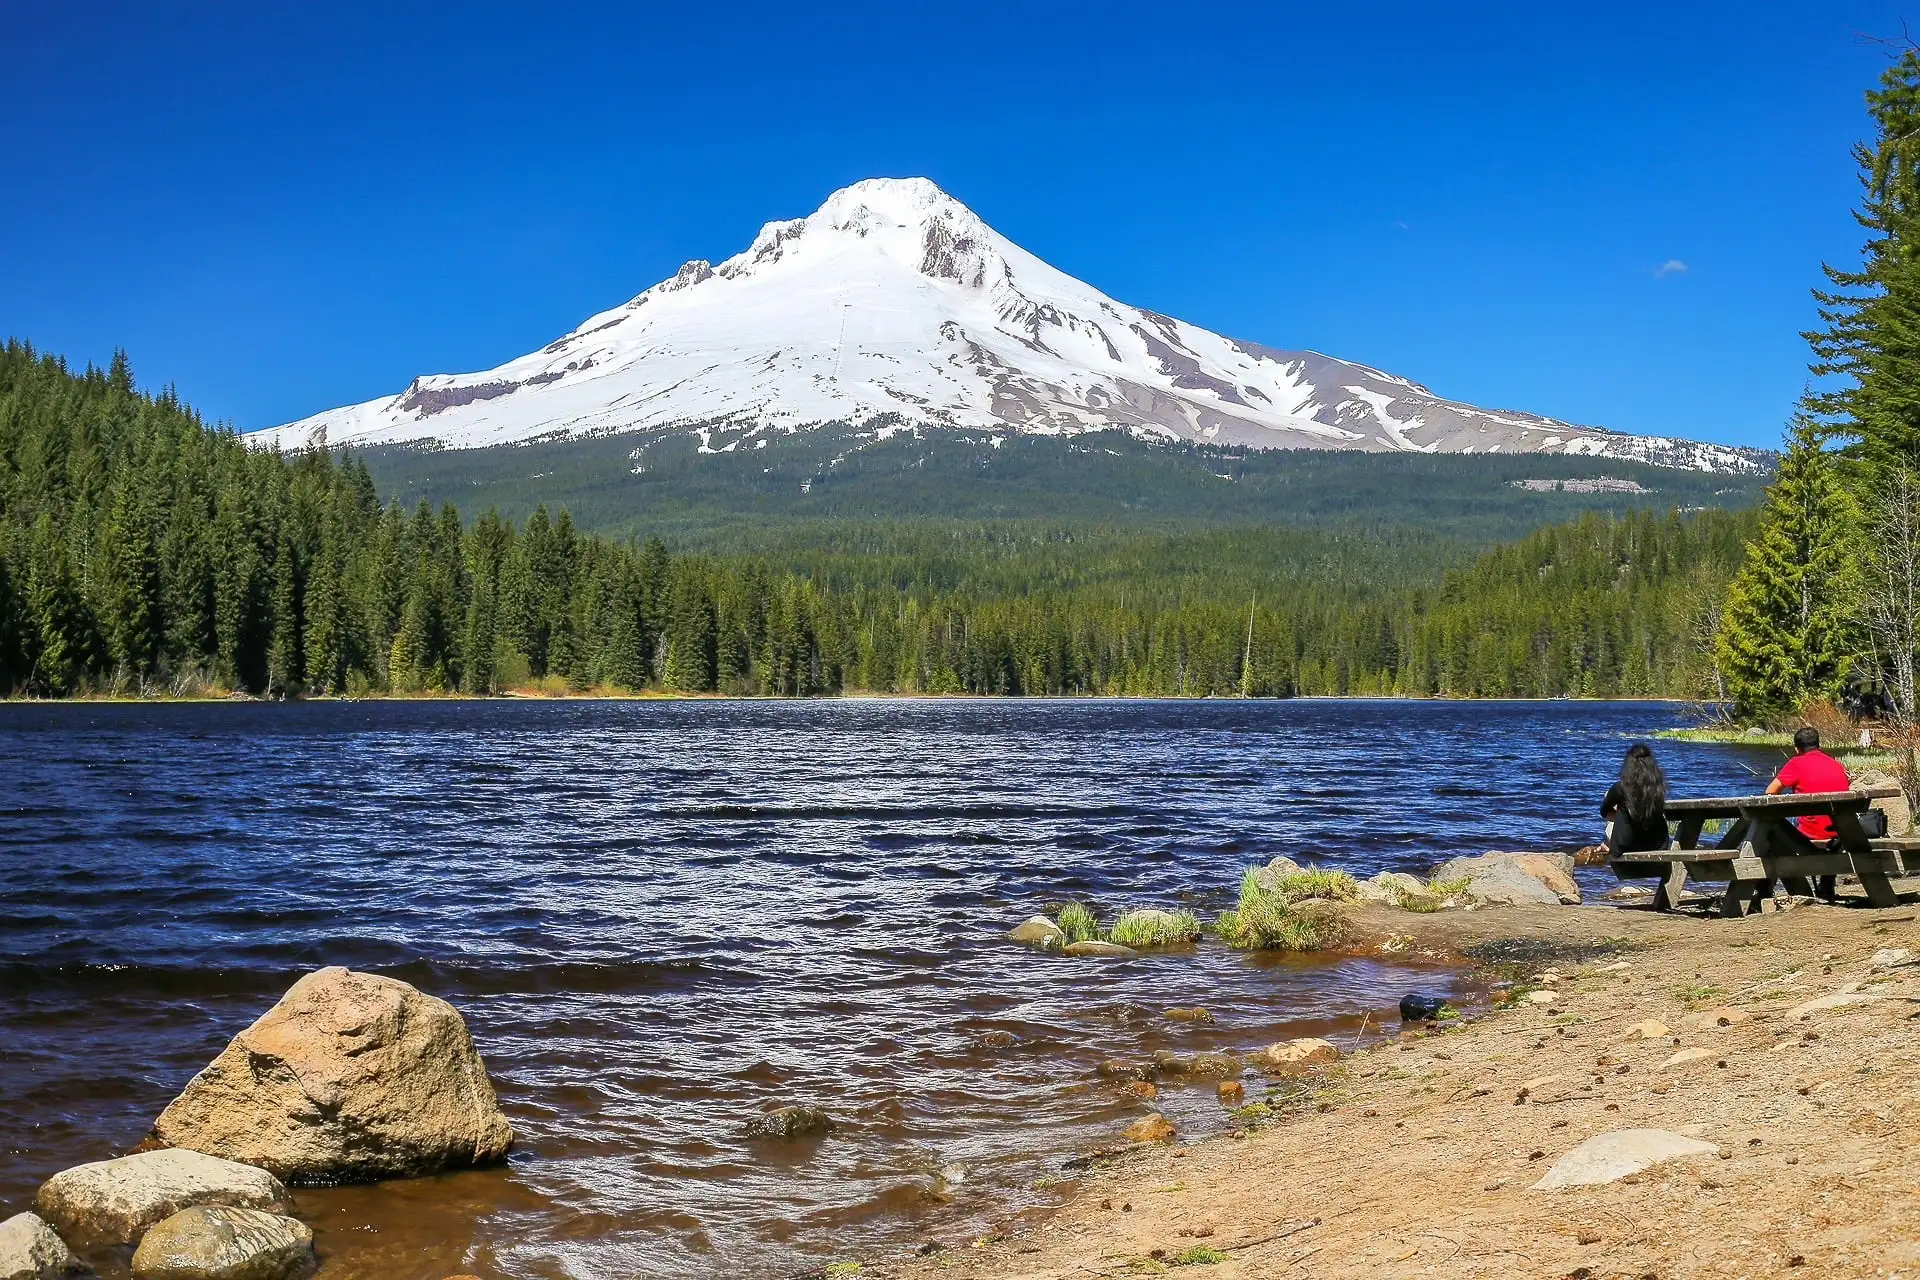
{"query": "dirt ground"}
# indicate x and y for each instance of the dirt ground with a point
(1416, 1157)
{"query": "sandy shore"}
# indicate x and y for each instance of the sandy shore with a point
(1416, 1157)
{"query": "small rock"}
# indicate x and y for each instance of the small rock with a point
(1891, 958)
(1542, 997)
(1216, 1064)
(1189, 1015)
(790, 1122)
(1141, 1089)
(1153, 1128)
(1417, 1008)
(998, 1039)
(32, 1250)
(1116, 1069)
(1268, 878)
(1168, 1063)
(1391, 887)
(1038, 931)
(1592, 855)
(1651, 1029)
(1686, 1056)
(219, 1242)
(1091, 947)
(1716, 1018)
(1627, 893)
(1839, 1000)
(1294, 1055)
(114, 1201)
(1231, 1093)
(1618, 966)
(1609, 1157)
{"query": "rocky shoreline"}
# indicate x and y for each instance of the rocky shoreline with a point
(348, 1078)
(1652, 1095)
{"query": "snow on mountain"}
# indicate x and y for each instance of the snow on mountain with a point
(895, 299)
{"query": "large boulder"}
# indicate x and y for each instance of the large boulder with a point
(214, 1242)
(350, 1078)
(1513, 879)
(113, 1201)
(32, 1250)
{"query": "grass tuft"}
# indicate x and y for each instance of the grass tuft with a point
(1078, 923)
(1271, 921)
(1313, 882)
(1198, 1255)
(1142, 929)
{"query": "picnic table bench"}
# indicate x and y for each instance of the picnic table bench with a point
(1762, 845)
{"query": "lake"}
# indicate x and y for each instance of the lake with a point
(661, 917)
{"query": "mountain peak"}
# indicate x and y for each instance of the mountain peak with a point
(894, 301)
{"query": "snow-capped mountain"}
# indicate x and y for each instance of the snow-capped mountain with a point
(895, 299)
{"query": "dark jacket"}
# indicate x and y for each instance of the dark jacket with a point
(1630, 834)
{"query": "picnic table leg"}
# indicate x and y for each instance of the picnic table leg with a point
(1879, 889)
(1667, 896)
(1744, 897)
(1799, 885)
(1829, 887)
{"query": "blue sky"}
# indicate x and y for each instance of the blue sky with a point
(282, 208)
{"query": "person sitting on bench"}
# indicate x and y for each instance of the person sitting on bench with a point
(1811, 770)
(1636, 806)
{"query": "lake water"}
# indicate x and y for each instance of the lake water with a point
(659, 918)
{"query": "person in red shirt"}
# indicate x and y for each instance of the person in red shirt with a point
(1811, 770)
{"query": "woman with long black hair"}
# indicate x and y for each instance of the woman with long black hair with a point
(1636, 806)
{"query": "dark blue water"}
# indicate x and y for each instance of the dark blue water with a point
(659, 917)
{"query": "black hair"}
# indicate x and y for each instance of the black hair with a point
(1807, 739)
(1643, 784)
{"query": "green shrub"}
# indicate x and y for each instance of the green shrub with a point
(1141, 929)
(1078, 923)
(1273, 921)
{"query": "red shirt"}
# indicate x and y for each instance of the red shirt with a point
(1812, 771)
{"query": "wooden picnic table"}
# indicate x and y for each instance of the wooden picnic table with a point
(1762, 845)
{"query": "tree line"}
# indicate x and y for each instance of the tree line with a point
(1826, 603)
(144, 551)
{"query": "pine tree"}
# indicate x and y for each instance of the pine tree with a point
(131, 606)
(1871, 333)
(1785, 636)
(286, 664)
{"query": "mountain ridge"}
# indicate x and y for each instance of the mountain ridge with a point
(895, 302)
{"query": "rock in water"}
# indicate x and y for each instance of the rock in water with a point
(113, 1201)
(350, 1078)
(1268, 878)
(1038, 931)
(215, 1242)
(32, 1250)
(1153, 1128)
(1421, 1008)
(790, 1122)
(1092, 948)
(1609, 1157)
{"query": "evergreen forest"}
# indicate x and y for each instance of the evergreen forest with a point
(143, 551)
